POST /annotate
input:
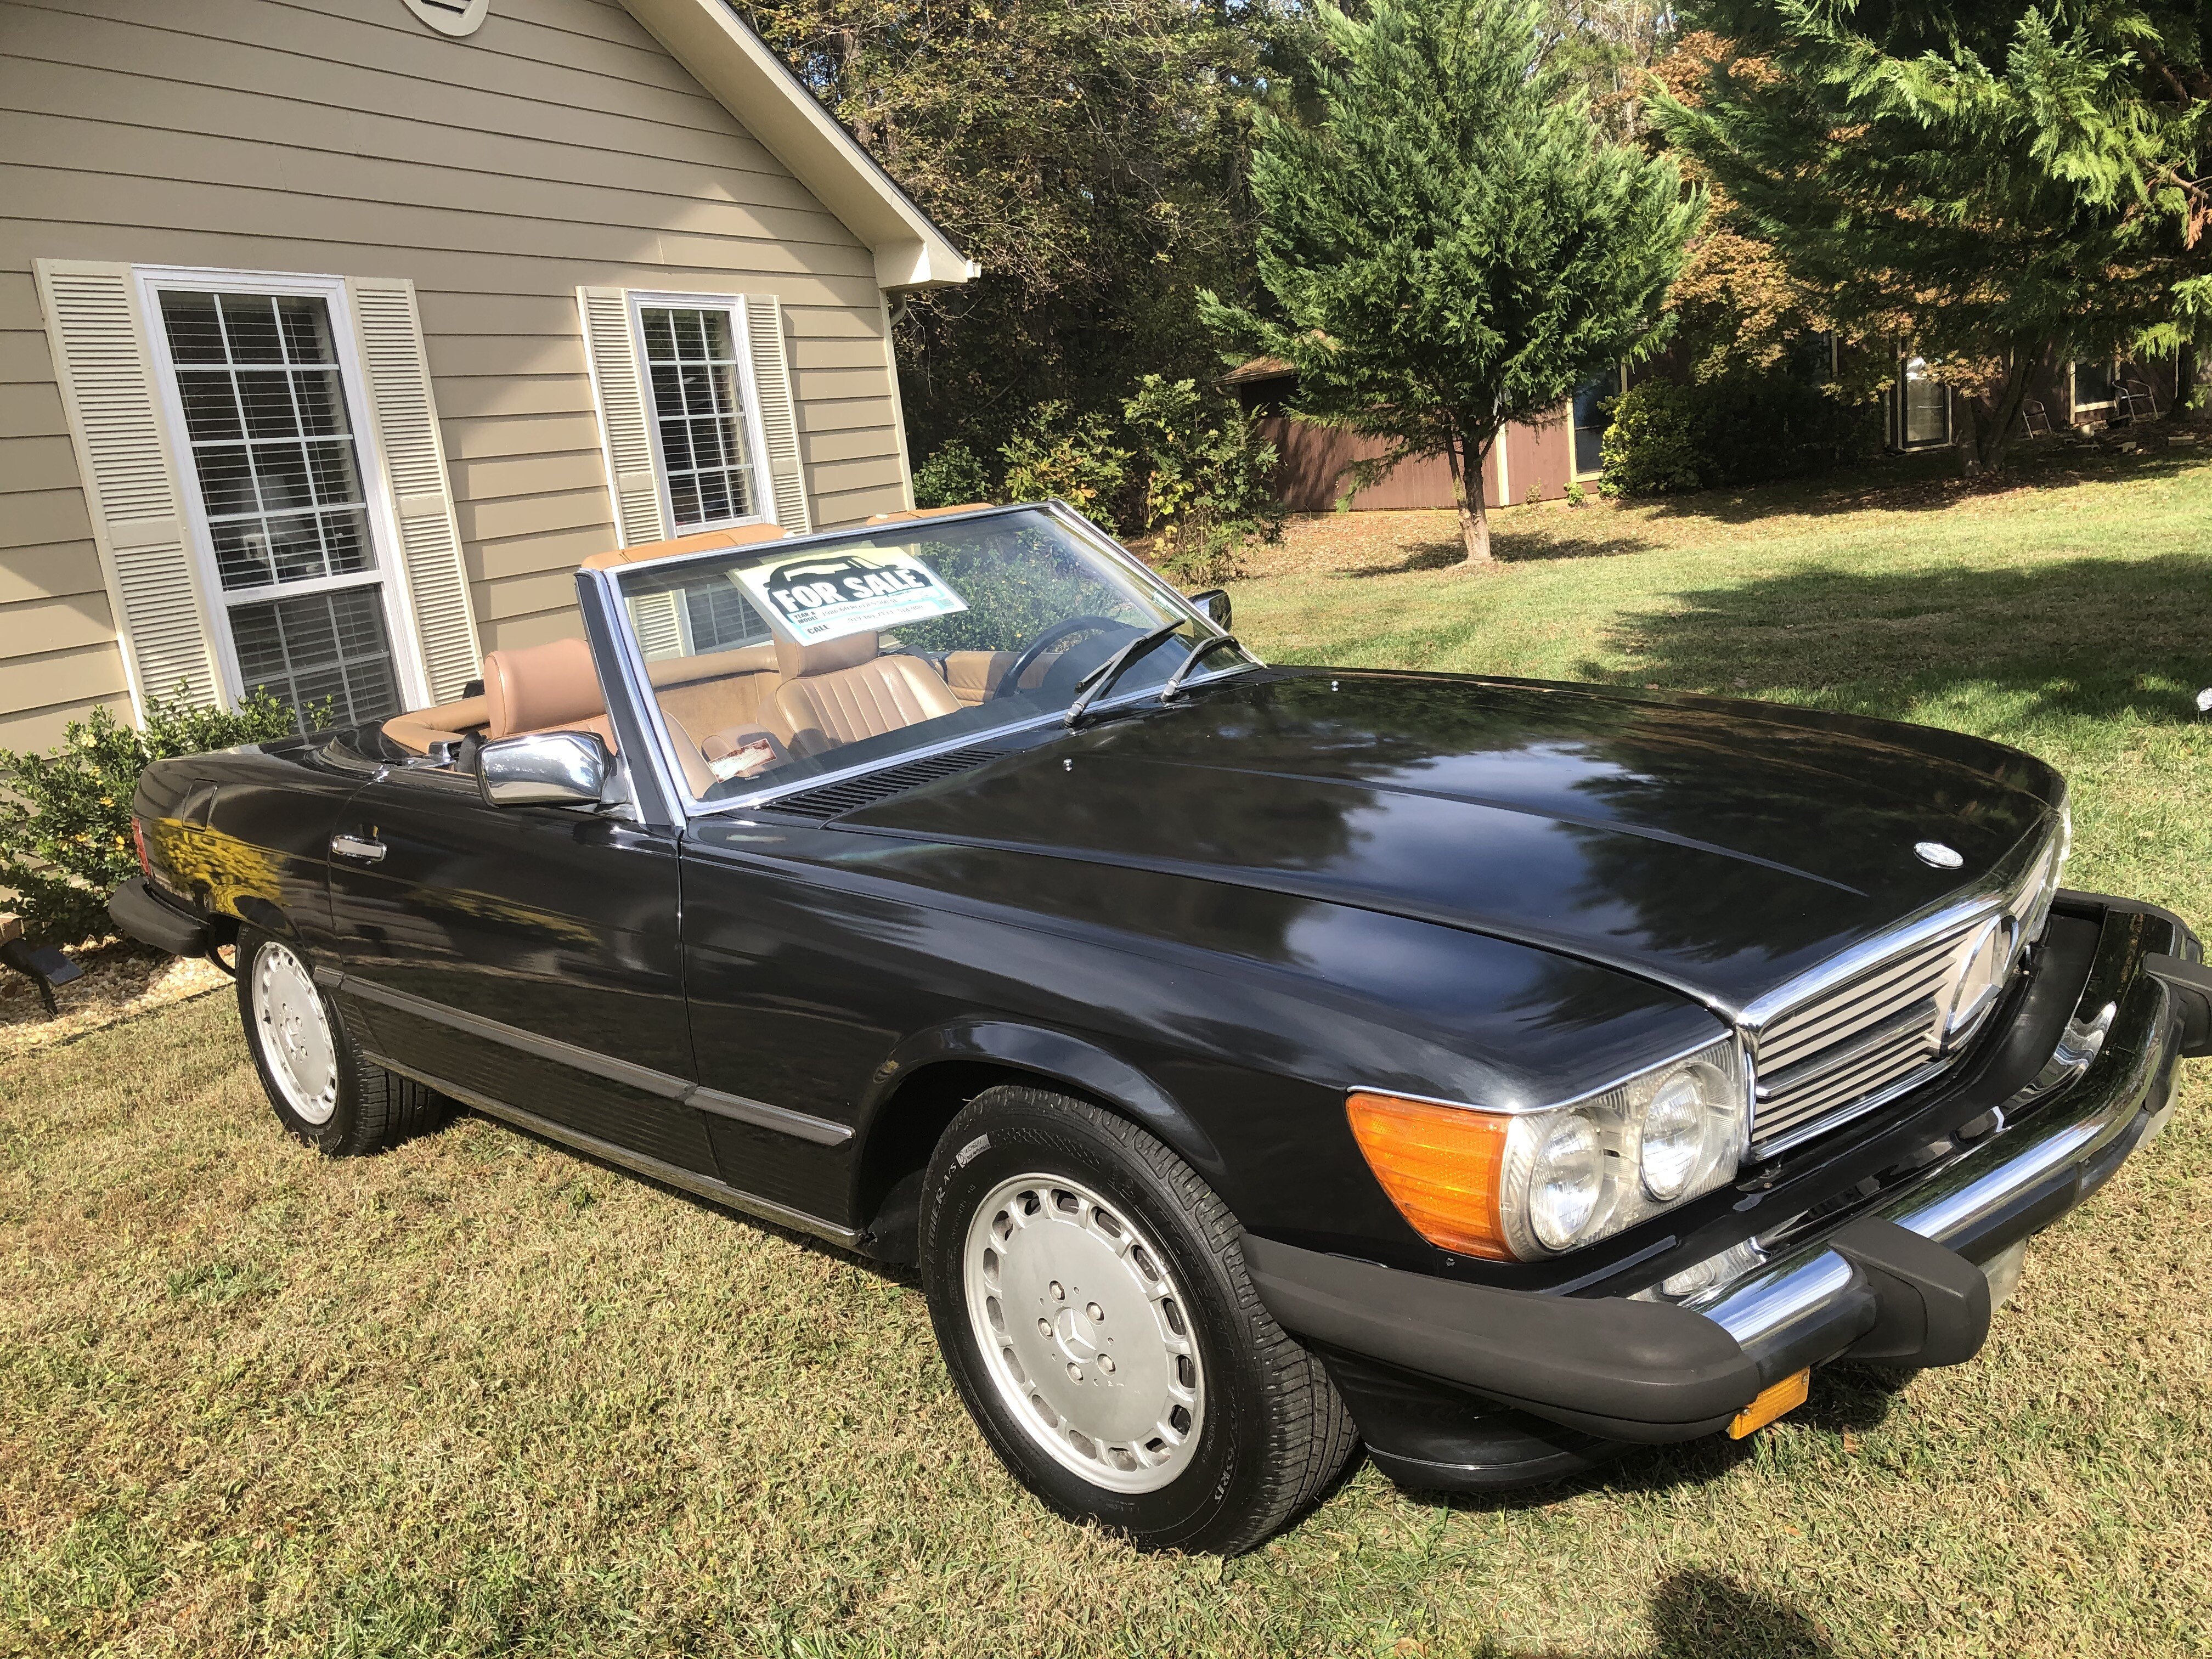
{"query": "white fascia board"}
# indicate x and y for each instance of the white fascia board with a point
(734, 64)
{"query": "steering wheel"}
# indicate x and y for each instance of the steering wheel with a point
(1044, 641)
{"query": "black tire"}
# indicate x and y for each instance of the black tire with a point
(373, 1108)
(1273, 1433)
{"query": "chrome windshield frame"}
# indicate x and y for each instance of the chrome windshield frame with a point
(601, 592)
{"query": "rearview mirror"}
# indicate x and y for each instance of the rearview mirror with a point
(1214, 601)
(543, 769)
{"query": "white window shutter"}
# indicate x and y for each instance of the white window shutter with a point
(619, 391)
(130, 477)
(406, 420)
(779, 411)
(659, 633)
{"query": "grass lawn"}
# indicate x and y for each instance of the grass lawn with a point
(478, 1396)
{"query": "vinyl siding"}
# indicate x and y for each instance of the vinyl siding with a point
(558, 146)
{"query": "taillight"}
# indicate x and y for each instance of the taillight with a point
(138, 840)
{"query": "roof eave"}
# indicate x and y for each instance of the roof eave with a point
(758, 88)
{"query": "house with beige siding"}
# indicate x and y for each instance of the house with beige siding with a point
(334, 334)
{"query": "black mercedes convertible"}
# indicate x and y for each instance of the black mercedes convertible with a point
(1255, 1061)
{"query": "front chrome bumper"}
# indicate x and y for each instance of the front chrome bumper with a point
(1902, 1274)
(2107, 1090)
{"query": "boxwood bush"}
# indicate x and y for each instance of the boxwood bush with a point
(1664, 438)
(65, 814)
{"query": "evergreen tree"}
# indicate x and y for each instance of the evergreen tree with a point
(1456, 245)
(1990, 182)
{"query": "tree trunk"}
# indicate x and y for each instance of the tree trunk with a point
(1466, 459)
(1967, 436)
(2004, 423)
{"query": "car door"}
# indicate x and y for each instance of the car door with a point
(525, 954)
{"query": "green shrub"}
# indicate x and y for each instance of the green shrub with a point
(953, 477)
(1209, 480)
(1073, 457)
(1742, 429)
(1576, 496)
(65, 816)
(1653, 444)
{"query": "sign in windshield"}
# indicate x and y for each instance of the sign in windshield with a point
(827, 596)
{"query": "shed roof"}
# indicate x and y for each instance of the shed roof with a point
(756, 86)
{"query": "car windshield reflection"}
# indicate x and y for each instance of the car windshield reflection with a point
(775, 663)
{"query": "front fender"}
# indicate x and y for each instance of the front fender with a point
(1053, 1056)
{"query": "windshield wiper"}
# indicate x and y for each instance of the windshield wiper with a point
(1204, 648)
(1094, 684)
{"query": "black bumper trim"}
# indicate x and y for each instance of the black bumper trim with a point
(150, 921)
(1630, 1371)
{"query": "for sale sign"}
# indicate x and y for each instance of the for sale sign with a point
(830, 595)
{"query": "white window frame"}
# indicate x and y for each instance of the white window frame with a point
(755, 435)
(389, 572)
(2074, 406)
(1619, 388)
(1906, 445)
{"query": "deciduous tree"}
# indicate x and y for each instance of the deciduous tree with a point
(1088, 155)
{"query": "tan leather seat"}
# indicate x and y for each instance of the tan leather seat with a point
(743, 535)
(447, 722)
(912, 512)
(718, 691)
(842, 690)
(975, 675)
(545, 688)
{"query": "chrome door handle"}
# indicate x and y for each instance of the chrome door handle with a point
(357, 846)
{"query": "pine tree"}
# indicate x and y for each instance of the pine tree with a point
(1990, 182)
(1456, 245)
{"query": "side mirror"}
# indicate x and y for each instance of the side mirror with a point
(543, 769)
(1214, 601)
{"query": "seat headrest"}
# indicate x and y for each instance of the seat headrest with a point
(795, 661)
(928, 511)
(541, 687)
(742, 535)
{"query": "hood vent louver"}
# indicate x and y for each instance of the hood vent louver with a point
(850, 794)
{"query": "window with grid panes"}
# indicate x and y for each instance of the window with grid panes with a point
(277, 460)
(698, 406)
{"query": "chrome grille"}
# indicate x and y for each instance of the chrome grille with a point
(1851, 1044)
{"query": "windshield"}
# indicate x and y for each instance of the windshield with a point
(775, 663)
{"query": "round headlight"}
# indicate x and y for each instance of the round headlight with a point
(1565, 1180)
(1674, 1135)
(1988, 957)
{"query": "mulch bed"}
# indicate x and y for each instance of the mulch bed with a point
(120, 979)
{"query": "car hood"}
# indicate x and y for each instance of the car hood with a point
(1717, 846)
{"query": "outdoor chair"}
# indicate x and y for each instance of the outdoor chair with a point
(2135, 401)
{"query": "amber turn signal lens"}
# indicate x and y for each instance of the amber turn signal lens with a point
(1440, 1165)
(1784, 1396)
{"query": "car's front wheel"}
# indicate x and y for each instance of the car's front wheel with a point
(321, 1088)
(1090, 1293)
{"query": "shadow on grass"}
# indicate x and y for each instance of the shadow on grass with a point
(2096, 636)
(1928, 482)
(1706, 1615)
(1516, 547)
(1508, 546)
(1703, 1615)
